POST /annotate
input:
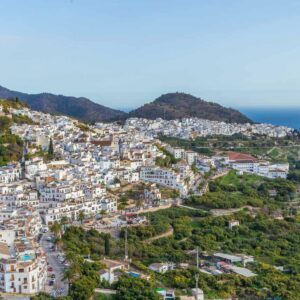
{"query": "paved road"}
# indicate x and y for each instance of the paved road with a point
(60, 287)
(10, 297)
(106, 291)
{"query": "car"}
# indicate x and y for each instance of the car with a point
(53, 276)
(50, 269)
(49, 239)
(51, 282)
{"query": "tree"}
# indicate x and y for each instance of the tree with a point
(45, 296)
(58, 243)
(55, 229)
(107, 244)
(51, 149)
(70, 275)
(129, 288)
(83, 288)
(64, 221)
(81, 216)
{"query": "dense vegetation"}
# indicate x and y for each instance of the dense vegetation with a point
(234, 191)
(45, 296)
(80, 242)
(272, 242)
(11, 146)
(79, 108)
(168, 160)
(274, 149)
(129, 288)
(180, 105)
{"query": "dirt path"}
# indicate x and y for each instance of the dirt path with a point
(169, 232)
(230, 211)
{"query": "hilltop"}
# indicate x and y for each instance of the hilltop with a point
(80, 108)
(168, 106)
(180, 105)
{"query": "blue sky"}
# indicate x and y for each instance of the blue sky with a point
(128, 52)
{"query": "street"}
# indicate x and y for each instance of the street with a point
(56, 267)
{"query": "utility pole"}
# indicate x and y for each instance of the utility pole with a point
(126, 245)
(196, 279)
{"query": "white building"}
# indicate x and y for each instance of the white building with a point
(161, 267)
(165, 177)
(21, 271)
(10, 173)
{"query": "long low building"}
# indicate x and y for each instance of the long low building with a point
(248, 163)
(165, 177)
(55, 211)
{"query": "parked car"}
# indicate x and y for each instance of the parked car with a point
(51, 282)
(53, 276)
(50, 269)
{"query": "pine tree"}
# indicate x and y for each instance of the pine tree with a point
(50, 149)
(107, 245)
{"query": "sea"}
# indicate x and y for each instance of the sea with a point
(277, 116)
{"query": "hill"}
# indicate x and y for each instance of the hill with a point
(168, 106)
(180, 105)
(80, 108)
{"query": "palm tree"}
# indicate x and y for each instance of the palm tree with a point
(58, 243)
(64, 221)
(75, 269)
(81, 216)
(70, 275)
(55, 229)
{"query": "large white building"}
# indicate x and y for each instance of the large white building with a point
(247, 163)
(21, 271)
(52, 212)
(165, 177)
(10, 173)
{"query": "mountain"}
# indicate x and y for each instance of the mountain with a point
(168, 106)
(180, 105)
(80, 108)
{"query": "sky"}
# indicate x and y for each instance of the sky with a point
(125, 53)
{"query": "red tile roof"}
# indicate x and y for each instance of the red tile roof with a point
(236, 156)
